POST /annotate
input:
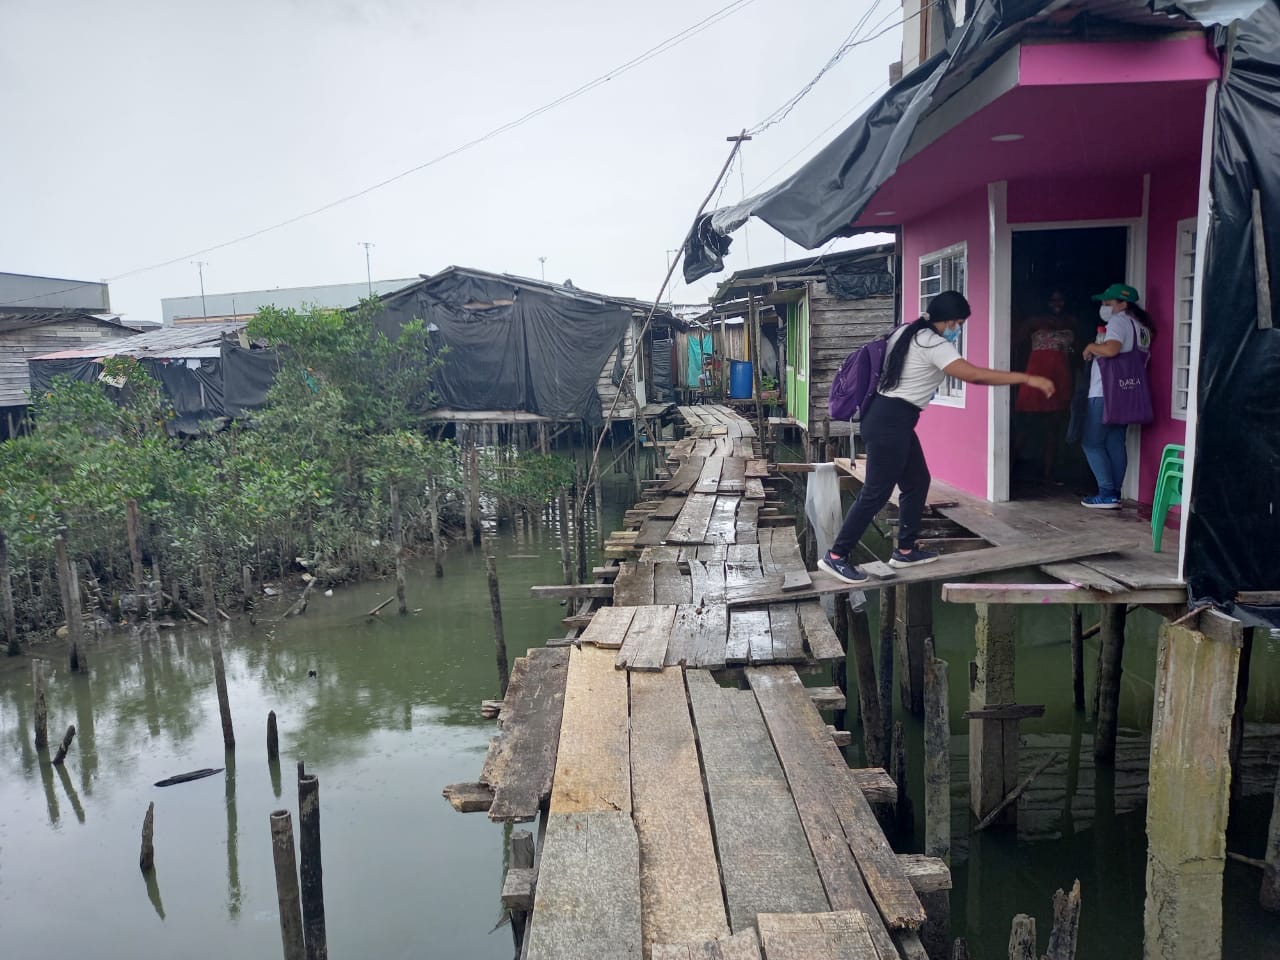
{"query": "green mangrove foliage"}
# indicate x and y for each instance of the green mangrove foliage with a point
(303, 482)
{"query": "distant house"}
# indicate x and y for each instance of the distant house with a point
(43, 314)
(814, 312)
(230, 307)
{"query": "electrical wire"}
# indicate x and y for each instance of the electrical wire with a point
(658, 49)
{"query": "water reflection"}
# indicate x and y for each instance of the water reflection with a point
(153, 891)
(233, 837)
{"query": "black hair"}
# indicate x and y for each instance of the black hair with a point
(1142, 317)
(947, 306)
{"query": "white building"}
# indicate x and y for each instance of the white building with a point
(226, 307)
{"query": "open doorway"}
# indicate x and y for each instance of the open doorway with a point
(1054, 275)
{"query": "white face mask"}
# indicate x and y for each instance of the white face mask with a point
(1105, 311)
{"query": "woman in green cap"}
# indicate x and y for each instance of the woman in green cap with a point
(1127, 327)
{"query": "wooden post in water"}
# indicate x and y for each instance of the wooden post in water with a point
(888, 603)
(6, 600)
(499, 641)
(287, 885)
(246, 587)
(310, 867)
(913, 625)
(1187, 802)
(147, 858)
(42, 705)
(580, 525)
(69, 583)
(868, 694)
(1269, 896)
(840, 669)
(273, 739)
(433, 509)
(1109, 677)
(1022, 938)
(474, 462)
(1077, 657)
(904, 814)
(520, 858)
(937, 758)
(65, 745)
(219, 667)
(397, 541)
(566, 561)
(1066, 924)
(141, 593)
(993, 744)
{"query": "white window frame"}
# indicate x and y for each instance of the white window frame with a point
(1184, 275)
(952, 391)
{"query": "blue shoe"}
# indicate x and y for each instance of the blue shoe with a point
(1101, 501)
(841, 569)
(912, 557)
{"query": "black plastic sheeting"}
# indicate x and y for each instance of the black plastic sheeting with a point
(660, 390)
(1233, 530)
(512, 347)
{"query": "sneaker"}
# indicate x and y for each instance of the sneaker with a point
(912, 557)
(841, 568)
(1100, 501)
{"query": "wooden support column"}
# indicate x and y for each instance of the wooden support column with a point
(473, 464)
(864, 666)
(1269, 897)
(1110, 673)
(6, 600)
(937, 758)
(140, 585)
(1237, 722)
(913, 625)
(993, 744)
(1187, 803)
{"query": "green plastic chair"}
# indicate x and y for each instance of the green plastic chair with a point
(1168, 492)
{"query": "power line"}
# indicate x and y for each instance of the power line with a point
(658, 49)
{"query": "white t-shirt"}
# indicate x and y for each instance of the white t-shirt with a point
(1120, 327)
(927, 356)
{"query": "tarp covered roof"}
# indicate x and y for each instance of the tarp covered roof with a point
(202, 340)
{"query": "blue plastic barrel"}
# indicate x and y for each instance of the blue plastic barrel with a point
(740, 379)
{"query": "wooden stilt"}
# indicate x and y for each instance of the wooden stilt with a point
(840, 669)
(1187, 802)
(888, 603)
(993, 744)
(287, 885)
(7, 613)
(1022, 938)
(937, 758)
(520, 858)
(69, 584)
(41, 705)
(913, 625)
(499, 641)
(904, 813)
(1109, 677)
(868, 695)
(219, 667)
(246, 587)
(1077, 658)
(310, 868)
(397, 540)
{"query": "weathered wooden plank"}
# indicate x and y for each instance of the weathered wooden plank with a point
(722, 527)
(765, 859)
(468, 797)
(733, 475)
(684, 478)
(758, 469)
(827, 698)
(820, 638)
(817, 773)
(608, 628)
(709, 479)
(703, 632)
(749, 521)
(753, 489)
(715, 582)
(875, 783)
(749, 637)
(691, 525)
(740, 946)
(572, 590)
(1048, 550)
(679, 877)
(788, 642)
(659, 554)
(593, 766)
(633, 586)
(670, 585)
(645, 647)
(697, 581)
(587, 902)
(668, 508)
(712, 553)
(843, 935)
(740, 574)
(522, 759)
(1077, 574)
(653, 532)
(1044, 593)
(927, 874)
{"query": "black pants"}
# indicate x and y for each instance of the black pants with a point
(894, 458)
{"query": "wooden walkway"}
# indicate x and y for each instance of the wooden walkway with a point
(679, 818)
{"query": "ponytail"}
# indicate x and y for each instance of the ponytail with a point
(946, 306)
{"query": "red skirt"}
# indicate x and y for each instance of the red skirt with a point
(1052, 365)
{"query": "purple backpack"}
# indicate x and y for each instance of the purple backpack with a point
(856, 382)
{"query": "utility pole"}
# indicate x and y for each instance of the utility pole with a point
(200, 265)
(368, 271)
(542, 261)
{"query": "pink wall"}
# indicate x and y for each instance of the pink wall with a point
(1047, 200)
(954, 438)
(1186, 58)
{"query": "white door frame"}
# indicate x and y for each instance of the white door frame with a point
(999, 404)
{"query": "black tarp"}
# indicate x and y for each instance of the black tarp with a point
(513, 347)
(660, 371)
(1233, 529)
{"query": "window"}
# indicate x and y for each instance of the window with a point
(945, 270)
(1183, 304)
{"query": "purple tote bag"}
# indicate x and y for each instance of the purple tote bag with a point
(1126, 394)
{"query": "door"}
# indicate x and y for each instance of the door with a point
(798, 362)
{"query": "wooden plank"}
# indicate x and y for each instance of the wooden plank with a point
(927, 874)
(709, 479)
(748, 553)
(753, 489)
(593, 767)
(765, 859)
(633, 586)
(715, 583)
(723, 526)
(691, 525)
(1046, 593)
(748, 521)
(608, 628)
(758, 469)
(819, 779)
(876, 784)
(571, 590)
(749, 637)
(1005, 711)
(468, 797)
(669, 508)
(520, 763)
(645, 647)
(820, 638)
(697, 581)
(587, 902)
(670, 585)
(1078, 575)
(684, 478)
(653, 532)
(788, 642)
(659, 554)
(703, 633)
(1049, 550)
(827, 698)
(712, 553)
(679, 877)
(1138, 569)
(733, 475)
(740, 946)
(842, 935)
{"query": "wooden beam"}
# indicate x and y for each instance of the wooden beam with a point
(572, 590)
(1046, 593)
(1005, 711)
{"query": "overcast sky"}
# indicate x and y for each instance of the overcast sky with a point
(138, 132)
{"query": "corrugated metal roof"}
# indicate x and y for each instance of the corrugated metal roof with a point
(168, 342)
(21, 318)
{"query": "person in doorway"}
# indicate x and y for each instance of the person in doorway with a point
(918, 356)
(1052, 335)
(1125, 326)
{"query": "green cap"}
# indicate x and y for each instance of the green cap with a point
(1118, 291)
